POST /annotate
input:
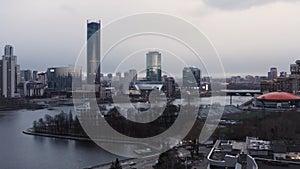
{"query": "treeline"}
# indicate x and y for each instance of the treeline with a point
(142, 130)
(60, 124)
(17, 103)
(274, 126)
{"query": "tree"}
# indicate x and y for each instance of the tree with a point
(116, 165)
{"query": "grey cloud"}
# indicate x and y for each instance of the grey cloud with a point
(240, 4)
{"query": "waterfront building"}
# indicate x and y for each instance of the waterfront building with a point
(33, 89)
(277, 100)
(191, 77)
(93, 51)
(8, 72)
(153, 66)
(64, 78)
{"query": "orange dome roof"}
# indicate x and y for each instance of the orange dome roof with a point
(277, 96)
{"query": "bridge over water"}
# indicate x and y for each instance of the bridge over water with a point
(242, 92)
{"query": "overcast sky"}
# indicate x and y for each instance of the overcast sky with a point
(250, 35)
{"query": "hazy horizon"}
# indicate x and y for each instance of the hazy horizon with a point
(250, 36)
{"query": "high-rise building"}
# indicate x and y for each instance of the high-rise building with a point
(93, 51)
(17, 77)
(8, 74)
(170, 86)
(64, 78)
(273, 73)
(34, 75)
(153, 65)
(295, 68)
(191, 77)
(26, 75)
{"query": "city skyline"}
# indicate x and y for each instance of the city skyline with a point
(150, 84)
(143, 74)
(240, 39)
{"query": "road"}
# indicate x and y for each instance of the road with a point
(139, 163)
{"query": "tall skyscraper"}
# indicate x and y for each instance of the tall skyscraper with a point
(93, 51)
(191, 77)
(8, 75)
(153, 65)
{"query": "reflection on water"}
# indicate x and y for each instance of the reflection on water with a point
(25, 151)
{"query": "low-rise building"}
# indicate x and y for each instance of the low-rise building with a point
(229, 154)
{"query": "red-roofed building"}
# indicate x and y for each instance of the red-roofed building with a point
(278, 100)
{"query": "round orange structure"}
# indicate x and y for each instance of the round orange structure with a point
(279, 96)
(278, 100)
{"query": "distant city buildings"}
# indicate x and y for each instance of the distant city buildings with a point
(93, 51)
(244, 83)
(295, 68)
(33, 89)
(133, 75)
(8, 73)
(273, 73)
(191, 77)
(63, 78)
(283, 74)
(153, 66)
(26, 75)
(170, 86)
(285, 83)
(34, 75)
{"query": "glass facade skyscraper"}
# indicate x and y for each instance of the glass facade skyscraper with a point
(93, 51)
(153, 64)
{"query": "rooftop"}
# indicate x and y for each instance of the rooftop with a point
(279, 96)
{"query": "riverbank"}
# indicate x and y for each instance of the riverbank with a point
(31, 132)
(7, 104)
